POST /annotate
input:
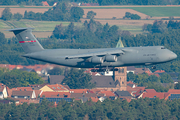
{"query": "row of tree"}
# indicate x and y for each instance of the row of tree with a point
(90, 32)
(60, 12)
(160, 27)
(152, 81)
(100, 2)
(153, 109)
(7, 15)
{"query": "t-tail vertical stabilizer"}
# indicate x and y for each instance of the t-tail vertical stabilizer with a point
(29, 43)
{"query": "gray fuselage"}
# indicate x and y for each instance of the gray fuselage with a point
(131, 56)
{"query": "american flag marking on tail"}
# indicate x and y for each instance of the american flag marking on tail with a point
(27, 41)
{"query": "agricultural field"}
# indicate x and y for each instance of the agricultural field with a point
(42, 29)
(104, 14)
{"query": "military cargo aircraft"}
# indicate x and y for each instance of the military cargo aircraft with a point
(92, 58)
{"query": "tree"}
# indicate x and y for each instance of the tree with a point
(130, 76)
(159, 27)
(166, 78)
(131, 16)
(17, 78)
(25, 14)
(77, 79)
(58, 31)
(127, 15)
(6, 14)
(135, 17)
(56, 71)
(18, 16)
(76, 13)
(3, 40)
(177, 86)
(90, 14)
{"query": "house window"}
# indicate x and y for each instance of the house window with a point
(123, 70)
(122, 82)
(119, 70)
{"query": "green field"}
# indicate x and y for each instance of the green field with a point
(151, 11)
(50, 25)
(133, 29)
(39, 25)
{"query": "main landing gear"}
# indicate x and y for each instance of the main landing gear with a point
(104, 70)
(153, 67)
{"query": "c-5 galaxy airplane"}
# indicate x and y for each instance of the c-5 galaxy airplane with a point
(92, 58)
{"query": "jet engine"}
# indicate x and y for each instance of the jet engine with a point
(111, 58)
(97, 60)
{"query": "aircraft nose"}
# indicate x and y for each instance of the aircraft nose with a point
(172, 56)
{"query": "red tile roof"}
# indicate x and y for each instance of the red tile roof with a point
(135, 90)
(174, 91)
(96, 90)
(130, 82)
(45, 3)
(78, 90)
(56, 94)
(94, 99)
(153, 95)
(139, 91)
(159, 71)
(22, 89)
(150, 90)
(108, 93)
(166, 95)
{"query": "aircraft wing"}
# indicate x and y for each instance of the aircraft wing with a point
(97, 53)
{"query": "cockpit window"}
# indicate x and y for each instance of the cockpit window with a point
(163, 48)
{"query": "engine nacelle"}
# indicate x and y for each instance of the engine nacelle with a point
(97, 60)
(110, 58)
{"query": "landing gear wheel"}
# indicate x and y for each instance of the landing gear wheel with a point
(153, 67)
(107, 70)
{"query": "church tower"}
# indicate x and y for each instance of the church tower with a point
(120, 78)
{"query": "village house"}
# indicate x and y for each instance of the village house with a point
(3, 91)
(44, 3)
(55, 88)
(23, 94)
